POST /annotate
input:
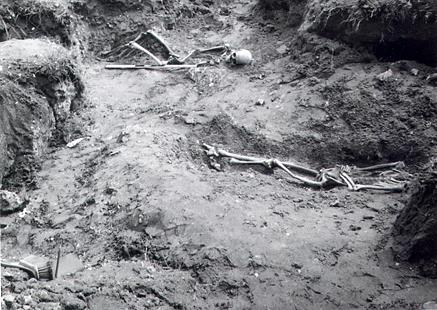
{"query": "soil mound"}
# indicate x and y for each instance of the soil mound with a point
(415, 230)
(33, 19)
(40, 86)
(393, 29)
(376, 119)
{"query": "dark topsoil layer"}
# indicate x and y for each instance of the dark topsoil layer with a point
(392, 30)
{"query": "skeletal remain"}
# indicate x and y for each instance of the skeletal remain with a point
(133, 46)
(240, 57)
(337, 176)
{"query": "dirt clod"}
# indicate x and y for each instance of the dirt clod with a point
(10, 202)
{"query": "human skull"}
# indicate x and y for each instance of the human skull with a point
(241, 57)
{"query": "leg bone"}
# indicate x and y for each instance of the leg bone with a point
(298, 177)
(139, 47)
(398, 164)
(388, 188)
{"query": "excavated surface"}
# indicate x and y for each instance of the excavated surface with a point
(156, 227)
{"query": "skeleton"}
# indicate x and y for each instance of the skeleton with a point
(393, 179)
(173, 61)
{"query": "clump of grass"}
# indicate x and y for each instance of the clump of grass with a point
(23, 18)
(50, 62)
(387, 12)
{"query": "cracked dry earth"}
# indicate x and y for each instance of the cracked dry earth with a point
(156, 227)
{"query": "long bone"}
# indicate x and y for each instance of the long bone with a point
(153, 67)
(269, 163)
(140, 48)
(239, 159)
(397, 164)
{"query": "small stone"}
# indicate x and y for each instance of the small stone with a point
(282, 49)
(8, 276)
(169, 23)
(19, 287)
(260, 102)
(27, 300)
(49, 306)
(270, 28)
(9, 300)
(354, 227)
(70, 302)
(10, 202)
(414, 71)
(225, 12)
(336, 204)
(385, 76)
(432, 79)
(43, 296)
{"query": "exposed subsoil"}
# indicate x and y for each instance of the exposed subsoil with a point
(156, 227)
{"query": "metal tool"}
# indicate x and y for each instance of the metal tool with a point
(38, 267)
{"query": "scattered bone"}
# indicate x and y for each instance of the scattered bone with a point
(74, 143)
(174, 61)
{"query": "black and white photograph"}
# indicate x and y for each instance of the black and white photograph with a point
(228, 154)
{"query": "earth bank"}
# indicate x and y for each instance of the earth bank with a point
(40, 88)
